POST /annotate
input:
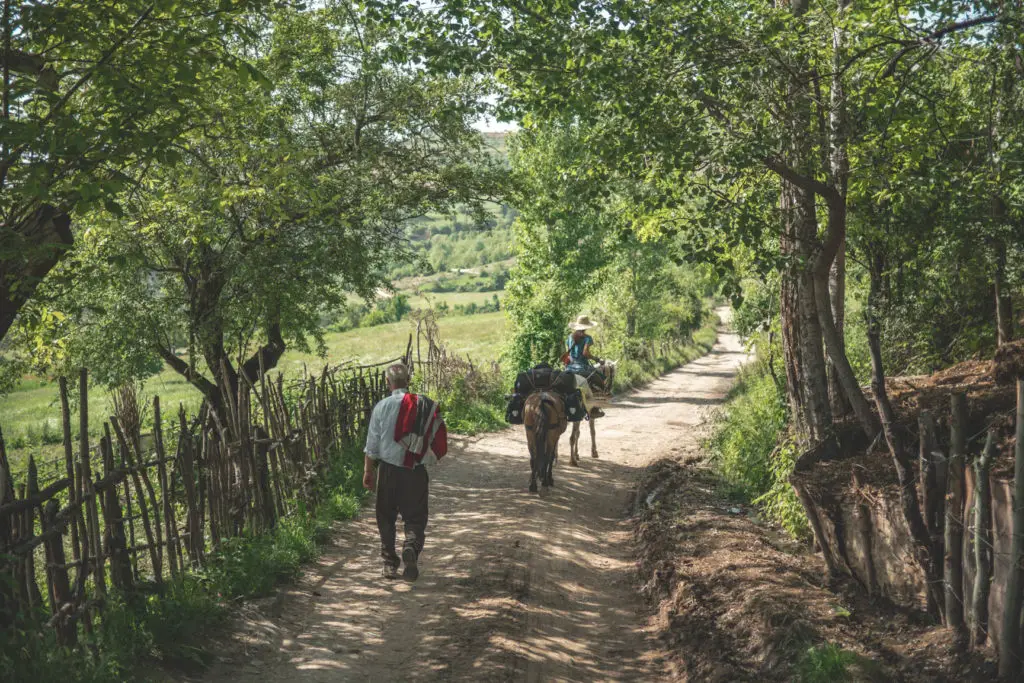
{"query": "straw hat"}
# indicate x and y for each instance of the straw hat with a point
(582, 323)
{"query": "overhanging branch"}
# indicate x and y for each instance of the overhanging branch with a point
(930, 39)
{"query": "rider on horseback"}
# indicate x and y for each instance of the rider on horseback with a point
(578, 359)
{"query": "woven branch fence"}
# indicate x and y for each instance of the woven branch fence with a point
(133, 508)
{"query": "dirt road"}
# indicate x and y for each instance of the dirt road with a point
(513, 586)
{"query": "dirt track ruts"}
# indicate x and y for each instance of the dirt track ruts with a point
(513, 586)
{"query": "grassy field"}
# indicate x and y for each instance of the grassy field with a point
(30, 416)
(453, 299)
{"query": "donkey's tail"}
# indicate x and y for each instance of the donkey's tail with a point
(540, 430)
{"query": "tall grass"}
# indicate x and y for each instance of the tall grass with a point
(749, 450)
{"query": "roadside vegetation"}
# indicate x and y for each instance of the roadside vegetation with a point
(168, 627)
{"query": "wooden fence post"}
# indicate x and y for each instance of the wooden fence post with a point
(140, 498)
(1009, 647)
(931, 499)
(60, 587)
(165, 491)
(186, 459)
(113, 522)
(982, 543)
(91, 514)
(69, 461)
(8, 596)
(954, 526)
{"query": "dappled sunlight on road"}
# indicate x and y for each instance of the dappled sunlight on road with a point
(513, 586)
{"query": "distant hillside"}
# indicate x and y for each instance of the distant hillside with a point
(496, 141)
(446, 243)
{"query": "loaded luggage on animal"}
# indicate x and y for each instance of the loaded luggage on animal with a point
(547, 399)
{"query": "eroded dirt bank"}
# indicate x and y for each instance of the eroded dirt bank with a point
(513, 586)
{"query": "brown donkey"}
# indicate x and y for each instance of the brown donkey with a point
(544, 419)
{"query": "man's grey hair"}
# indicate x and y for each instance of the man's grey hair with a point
(398, 375)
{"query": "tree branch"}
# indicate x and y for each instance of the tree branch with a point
(267, 356)
(938, 34)
(208, 388)
(56, 108)
(791, 175)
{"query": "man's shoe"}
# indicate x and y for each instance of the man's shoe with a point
(390, 570)
(411, 571)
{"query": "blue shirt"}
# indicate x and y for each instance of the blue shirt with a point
(576, 347)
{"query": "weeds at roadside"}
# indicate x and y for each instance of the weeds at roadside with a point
(748, 453)
(630, 374)
(826, 663)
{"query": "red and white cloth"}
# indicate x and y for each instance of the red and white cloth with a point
(421, 430)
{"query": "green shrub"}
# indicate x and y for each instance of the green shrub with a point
(747, 431)
(827, 663)
(165, 626)
(780, 502)
(476, 404)
(746, 451)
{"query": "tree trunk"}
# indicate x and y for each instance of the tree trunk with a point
(837, 295)
(31, 248)
(897, 447)
(954, 526)
(807, 384)
(839, 170)
(1004, 304)
(982, 544)
(835, 237)
(207, 325)
(1009, 647)
(830, 263)
(929, 463)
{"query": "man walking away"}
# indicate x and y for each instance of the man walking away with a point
(406, 433)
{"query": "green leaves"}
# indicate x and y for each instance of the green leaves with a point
(287, 191)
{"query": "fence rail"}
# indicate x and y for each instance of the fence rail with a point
(129, 508)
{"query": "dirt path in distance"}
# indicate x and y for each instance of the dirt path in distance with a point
(513, 586)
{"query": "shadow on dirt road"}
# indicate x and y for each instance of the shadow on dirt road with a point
(513, 586)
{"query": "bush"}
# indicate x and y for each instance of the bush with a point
(472, 410)
(827, 663)
(746, 451)
(634, 372)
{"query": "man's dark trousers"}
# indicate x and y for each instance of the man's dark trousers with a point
(401, 490)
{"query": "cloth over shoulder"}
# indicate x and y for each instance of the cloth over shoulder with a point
(420, 429)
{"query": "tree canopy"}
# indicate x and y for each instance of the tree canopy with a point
(290, 194)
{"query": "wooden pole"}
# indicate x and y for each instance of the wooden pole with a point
(32, 492)
(954, 525)
(1009, 647)
(932, 503)
(60, 587)
(140, 498)
(982, 543)
(186, 466)
(69, 461)
(165, 492)
(113, 533)
(91, 514)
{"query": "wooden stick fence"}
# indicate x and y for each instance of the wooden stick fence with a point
(130, 508)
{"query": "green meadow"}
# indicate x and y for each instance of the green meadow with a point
(30, 416)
